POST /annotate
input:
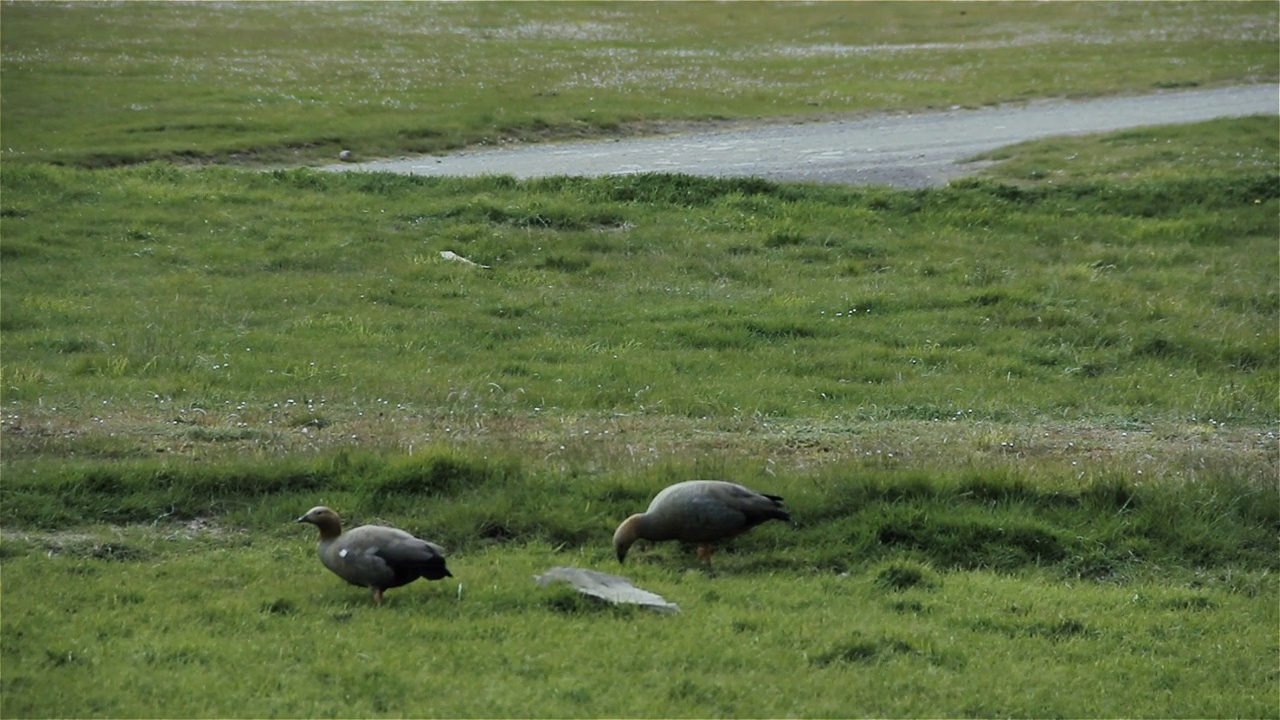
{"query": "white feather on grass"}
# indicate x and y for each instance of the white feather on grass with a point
(611, 588)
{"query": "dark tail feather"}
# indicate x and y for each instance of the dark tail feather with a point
(779, 512)
(436, 571)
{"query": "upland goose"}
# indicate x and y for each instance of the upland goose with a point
(375, 556)
(699, 511)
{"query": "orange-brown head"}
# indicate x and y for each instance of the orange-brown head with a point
(324, 518)
(626, 534)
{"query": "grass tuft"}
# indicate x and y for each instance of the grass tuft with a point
(863, 650)
(904, 575)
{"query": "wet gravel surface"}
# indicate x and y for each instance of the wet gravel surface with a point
(905, 150)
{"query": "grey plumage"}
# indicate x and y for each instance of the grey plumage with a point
(374, 556)
(699, 511)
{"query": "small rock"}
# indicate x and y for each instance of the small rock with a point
(344, 155)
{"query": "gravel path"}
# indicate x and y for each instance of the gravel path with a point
(905, 150)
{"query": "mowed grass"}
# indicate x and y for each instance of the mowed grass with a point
(109, 83)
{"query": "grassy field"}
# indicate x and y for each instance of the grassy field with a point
(268, 83)
(241, 626)
(236, 304)
(1027, 423)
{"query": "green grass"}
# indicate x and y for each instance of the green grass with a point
(1026, 424)
(895, 593)
(1140, 154)
(236, 622)
(233, 304)
(1040, 458)
(1106, 525)
(103, 84)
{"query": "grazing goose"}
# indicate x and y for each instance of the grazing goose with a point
(699, 511)
(374, 556)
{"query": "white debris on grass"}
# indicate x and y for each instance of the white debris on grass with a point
(611, 588)
(451, 255)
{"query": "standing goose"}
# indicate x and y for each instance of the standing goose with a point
(374, 556)
(699, 511)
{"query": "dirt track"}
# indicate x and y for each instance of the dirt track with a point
(905, 150)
